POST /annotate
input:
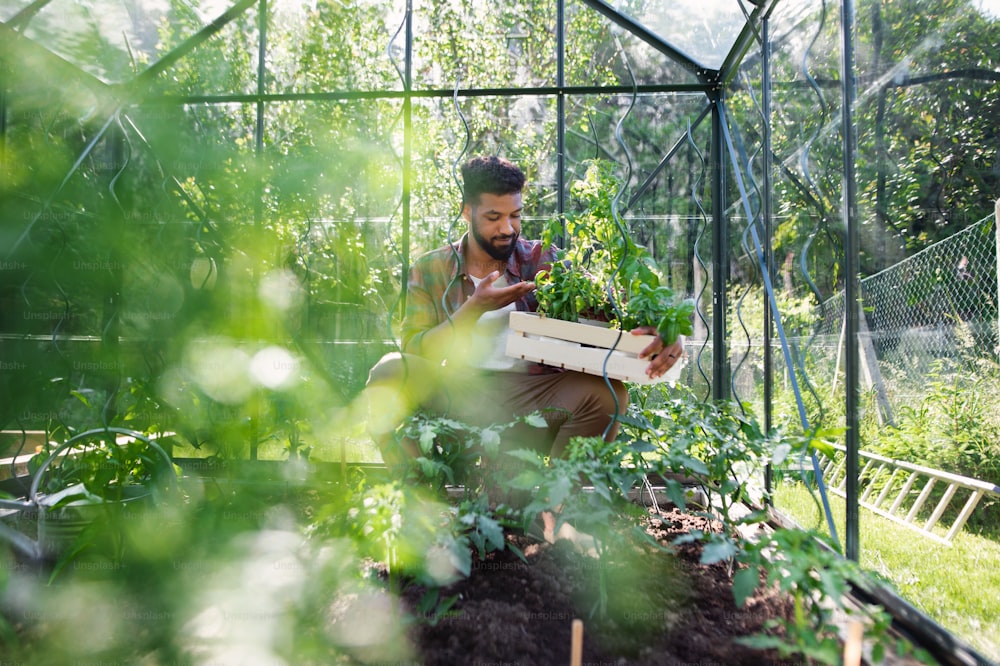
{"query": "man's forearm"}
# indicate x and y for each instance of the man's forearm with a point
(435, 343)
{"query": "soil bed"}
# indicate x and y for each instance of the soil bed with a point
(662, 608)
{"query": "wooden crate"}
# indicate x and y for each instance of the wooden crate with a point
(583, 347)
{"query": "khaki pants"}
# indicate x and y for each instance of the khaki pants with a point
(573, 404)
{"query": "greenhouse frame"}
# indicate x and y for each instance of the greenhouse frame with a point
(210, 209)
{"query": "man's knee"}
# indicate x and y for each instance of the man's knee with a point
(413, 376)
(613, 399)
(388, 400)
(389, 368)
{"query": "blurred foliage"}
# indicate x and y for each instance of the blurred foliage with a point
(157, 216)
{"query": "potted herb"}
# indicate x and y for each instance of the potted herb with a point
(604, 276)
(85, 485)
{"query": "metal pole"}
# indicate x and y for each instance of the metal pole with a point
(258, 210)
(853, 287)
(3, 122)
(261, 91)
(720, 255)
(767, 213)
(407, 150)
(996, 227)
(119, 209)
(561, 108)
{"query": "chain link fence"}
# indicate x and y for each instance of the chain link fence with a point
(933, 312)
(938, 306)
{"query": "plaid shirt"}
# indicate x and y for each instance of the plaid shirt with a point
(438, 285)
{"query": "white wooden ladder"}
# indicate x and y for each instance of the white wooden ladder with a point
(886, 478)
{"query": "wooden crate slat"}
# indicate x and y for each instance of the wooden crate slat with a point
(582, 347)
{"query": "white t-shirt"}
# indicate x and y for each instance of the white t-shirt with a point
(489, 338)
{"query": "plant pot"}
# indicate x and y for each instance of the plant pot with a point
(60, 529)
(593, 348)
(60, 518)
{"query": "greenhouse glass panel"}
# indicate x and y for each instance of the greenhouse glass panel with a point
(113, 40)
(484, 44)
(328, 47)
(600, 53)
(217, 62)
(656, 146)
(703, 30)
(927, 181)
(637, 131)
(666, 136)
(451, 130)
(324, 156)
(333, 194)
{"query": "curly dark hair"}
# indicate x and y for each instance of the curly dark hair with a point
(490, 175)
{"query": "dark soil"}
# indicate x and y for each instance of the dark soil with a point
(662, 607)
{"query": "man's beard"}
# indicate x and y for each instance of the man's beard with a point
(498, 253)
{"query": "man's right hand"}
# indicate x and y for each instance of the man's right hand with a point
(488, 296)
(438, 342)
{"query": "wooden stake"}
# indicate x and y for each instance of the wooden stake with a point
(853, 644)
(576, 646)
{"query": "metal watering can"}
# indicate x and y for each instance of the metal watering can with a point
(63, 515)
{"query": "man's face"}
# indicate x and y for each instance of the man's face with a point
(495, 223)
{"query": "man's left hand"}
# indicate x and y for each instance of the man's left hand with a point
(662, 357)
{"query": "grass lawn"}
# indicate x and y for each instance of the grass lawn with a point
(958, 586)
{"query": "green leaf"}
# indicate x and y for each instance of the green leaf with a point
(834, 582)
(761, 642)
(517, 551)
(492, 531)
(744, 583)
(461, 558)
(528, 456)
(536, 420)
(81, 397)
(753, 518)
(427, 467)
(478, 539)
(641, 446)
(444, 606)
(676, 492)
(717, 551)
(490, 441)
(691, 537)
(559, 490)
(427, 436)
(780, 453)
(696, 466)
(600, 487)
(728, 486)
(428, 601)
(526, 480)
(822, 446)
(635, 420)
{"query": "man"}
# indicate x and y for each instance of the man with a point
(453, 337)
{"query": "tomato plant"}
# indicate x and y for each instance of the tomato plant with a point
(604, 274)
(570, 294)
